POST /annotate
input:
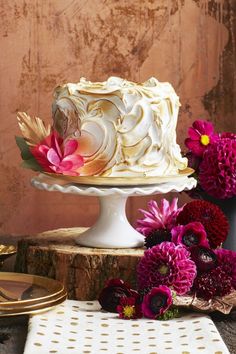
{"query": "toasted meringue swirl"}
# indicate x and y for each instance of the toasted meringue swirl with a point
(123, 128)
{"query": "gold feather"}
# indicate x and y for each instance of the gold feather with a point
(33, 129)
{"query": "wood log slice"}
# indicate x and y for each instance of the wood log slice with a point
(83, 270)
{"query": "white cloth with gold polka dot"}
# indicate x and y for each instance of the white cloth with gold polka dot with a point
(79, 327)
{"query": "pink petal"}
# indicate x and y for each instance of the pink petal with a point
(194, 134)
(70, 147)
(53, 157)
(56, 144)
(195, 147)
(76, 160)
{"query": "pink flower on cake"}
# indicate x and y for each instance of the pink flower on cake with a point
(157, 218)
(166, 264)
(227, 260)
(157, 302)
(192, 234)
(57, 156)
(201, 134)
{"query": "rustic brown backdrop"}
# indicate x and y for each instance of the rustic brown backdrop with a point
(190, 43)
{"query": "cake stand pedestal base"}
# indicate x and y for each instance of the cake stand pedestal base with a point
(112, 229)
(83, 270)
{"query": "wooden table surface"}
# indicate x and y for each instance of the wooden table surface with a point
(13, 332)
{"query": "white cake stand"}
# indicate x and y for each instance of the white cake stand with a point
(112, 229)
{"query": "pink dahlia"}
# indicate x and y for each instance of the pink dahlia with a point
(128, 308)
(201, 134)
(157, 302)
(166, 264)
(217, 171)
(156, 218)
(210, 216)
(192, 234)
(227, 260)
(58, 156)
(204, 258)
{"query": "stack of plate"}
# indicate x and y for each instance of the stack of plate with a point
(23, 293)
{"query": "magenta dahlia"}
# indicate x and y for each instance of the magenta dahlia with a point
(217, 171)
(215, 282)
(157, 302)
(201, 134)
(166, 264)
(156, 218)
(189, 235)
(227, 260)
(210, 216)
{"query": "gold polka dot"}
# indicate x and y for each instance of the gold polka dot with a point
(76, 307)
(57, 333)
(185, 352)
(120, 338)
(165, 324)
(89, 303)
(74, 323)
(60, 312)
(86, 351)
(89, 315)
(38, 344)
(52, 351)
(71, 340)
(215, 340)
(197, 329)
(150, 321)
(168, 348)
(135, 325)
(183, 336)
(135, 342)
(88, 337)
(103, 341)
(213, 332)
(218, 353)
(201, 348)
(151, 329)
(182, 328)
(88, 345)
(40, 334)
(42, 325)
(168, 341)
(196, 321)
(120, 345)
(54, 341)
(135, 334)
(75, 318)
(151, 337)
(70, 347)
(184, 344)
(153, 353)
(151, 345)
(104, 349)
(59, 326)
(104, 319)
(179, 321)
(104, 334)
(167, 333)
(198, 338)
(104, 325)
(44, 319)
(120, 330)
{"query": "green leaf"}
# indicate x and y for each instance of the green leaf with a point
(32, 164)
(24, 148)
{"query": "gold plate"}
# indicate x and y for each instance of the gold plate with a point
(25, 293)
(120, 181)
(7, 251)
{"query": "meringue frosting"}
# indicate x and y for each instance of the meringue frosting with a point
(123, 128)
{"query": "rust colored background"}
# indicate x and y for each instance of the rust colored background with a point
(190, 43)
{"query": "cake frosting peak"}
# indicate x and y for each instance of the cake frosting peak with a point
(123, 128)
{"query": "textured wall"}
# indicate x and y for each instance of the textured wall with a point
(190, 43)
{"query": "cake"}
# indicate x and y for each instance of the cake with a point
(123, 129)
